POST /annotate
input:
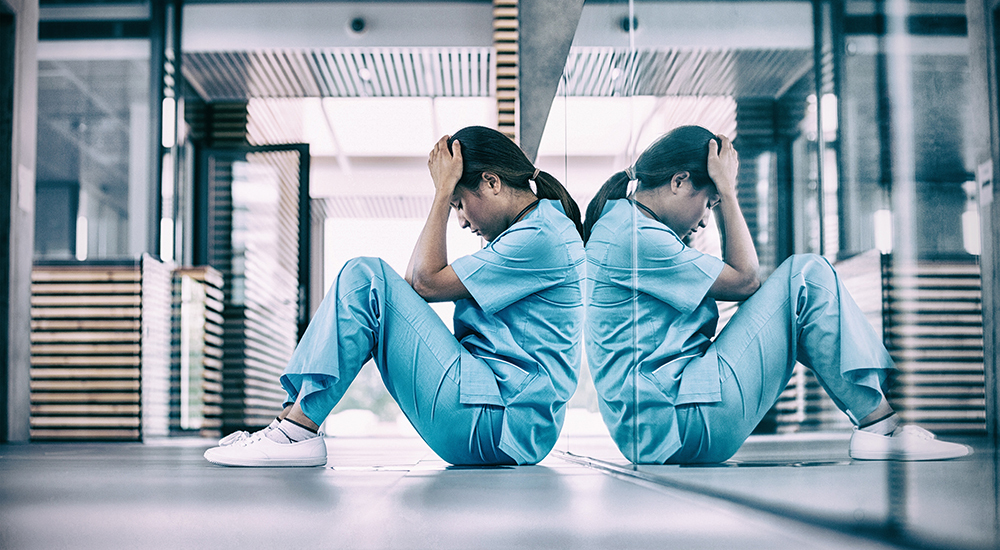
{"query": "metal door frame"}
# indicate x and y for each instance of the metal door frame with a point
(200, 229)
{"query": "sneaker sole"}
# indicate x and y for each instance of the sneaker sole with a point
(271, 462)
(889, 455)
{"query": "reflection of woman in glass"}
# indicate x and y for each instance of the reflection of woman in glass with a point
(693, 399)
(493, 392)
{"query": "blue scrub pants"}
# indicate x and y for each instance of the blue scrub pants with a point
(801, 313)
(372, 313)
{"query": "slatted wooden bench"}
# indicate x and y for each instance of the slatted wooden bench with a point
(933, 328)
(99, 350)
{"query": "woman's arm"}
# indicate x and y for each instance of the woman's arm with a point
(739, 278)
(428, 272)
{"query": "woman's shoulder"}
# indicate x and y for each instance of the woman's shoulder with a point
(615, 219)
(552, 219)
(615, 213)
(546, 227)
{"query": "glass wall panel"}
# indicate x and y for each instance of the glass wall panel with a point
(588, 136)
(852, 134)
(93, 149)
(705, 64)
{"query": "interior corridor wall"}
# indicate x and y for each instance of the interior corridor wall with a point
(20, 237)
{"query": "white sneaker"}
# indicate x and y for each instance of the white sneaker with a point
(257, 450)
(908, 443)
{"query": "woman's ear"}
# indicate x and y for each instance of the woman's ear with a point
(679, 180)
(492, 182)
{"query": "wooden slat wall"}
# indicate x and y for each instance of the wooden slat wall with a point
(89, 351)
(505, 41)
(196, 352)
(933, 328)
(155, 358)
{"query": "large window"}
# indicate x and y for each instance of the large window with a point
(93, 187)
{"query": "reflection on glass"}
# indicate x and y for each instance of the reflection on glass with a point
(820, 173)
(93, 127)
(699, 398)
(191, 355)
(588, 131)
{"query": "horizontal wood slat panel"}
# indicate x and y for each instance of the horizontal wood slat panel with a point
(88, 421)
(74, 360)
(83, 273)
(64, 313)
(86, 408)
(85, 288)
(932, 327)
(84, 349)
(85, 336)
(120, 397)
(84, 434)
(97, 352)
(96, 300)
(100, 373)
(85, 385)
(39, 326)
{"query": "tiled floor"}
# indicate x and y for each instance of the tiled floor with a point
(392, 492)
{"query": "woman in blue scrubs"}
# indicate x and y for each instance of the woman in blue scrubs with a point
(495, 391)
(671, 390)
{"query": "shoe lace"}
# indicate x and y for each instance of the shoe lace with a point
(234, 437)
(917, 431)
(251, 439)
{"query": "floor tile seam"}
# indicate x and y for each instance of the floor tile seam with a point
(871, 531)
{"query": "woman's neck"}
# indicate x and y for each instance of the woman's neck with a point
(649, 202)
(521, 206)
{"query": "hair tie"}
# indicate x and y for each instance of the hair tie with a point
(534, 176)
(630, 173)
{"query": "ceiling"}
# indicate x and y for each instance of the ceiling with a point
(371, 103)
(469, 72)
(341, 72)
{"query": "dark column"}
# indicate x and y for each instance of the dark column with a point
(546, 30)
(7, 32)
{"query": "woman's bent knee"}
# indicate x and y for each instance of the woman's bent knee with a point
(363, 264)
(810, 267)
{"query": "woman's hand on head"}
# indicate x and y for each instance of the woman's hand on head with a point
(739, 278)
(723, 165)
(445, 166)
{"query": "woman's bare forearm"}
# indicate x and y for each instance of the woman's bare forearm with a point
(740, 277)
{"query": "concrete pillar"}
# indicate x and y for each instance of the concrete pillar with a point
(21, 110)
(546, 31)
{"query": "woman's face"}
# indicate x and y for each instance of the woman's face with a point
(480, 211)
(688, 211)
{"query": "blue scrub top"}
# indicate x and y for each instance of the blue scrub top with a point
(677, 321)
(524, 323)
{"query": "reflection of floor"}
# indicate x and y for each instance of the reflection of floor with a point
(392, 492)
(811, 477)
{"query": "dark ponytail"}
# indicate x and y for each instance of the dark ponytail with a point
(615, 188)
(548, 187)
(487, 150)
(683, 149)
